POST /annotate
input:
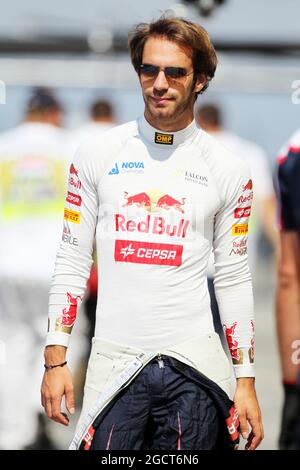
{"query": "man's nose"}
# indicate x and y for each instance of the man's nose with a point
(161, 82)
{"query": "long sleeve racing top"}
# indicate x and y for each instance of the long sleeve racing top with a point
(157, 203)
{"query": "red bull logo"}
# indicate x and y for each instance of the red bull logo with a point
(167, 202)
(156, 225)
(139, 200)
(248, 186)
(232, 343)
(74, 177)
(66, 321)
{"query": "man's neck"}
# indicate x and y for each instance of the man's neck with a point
(170, 126)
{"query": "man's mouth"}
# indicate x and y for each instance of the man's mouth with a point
(159, 99)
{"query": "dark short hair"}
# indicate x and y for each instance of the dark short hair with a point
(101, 109)
(42, 100)
(210, 114)
(186, 33)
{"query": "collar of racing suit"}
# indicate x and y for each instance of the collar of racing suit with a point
(166, 140)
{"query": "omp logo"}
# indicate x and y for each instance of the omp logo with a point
(239, 229)
(72, 216)
(166, 139)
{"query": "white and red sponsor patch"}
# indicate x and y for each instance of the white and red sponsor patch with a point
(73, 199)
(232, 423)
(232, 343)
(130, 251)
(74, 179)
(241, 212)
(89, 437)
(69, 315)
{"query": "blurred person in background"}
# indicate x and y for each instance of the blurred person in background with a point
(209, 118)
(101, 118)
(157, 377)
(33, 167)
(287, 184)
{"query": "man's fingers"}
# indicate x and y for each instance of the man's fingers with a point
(56, 411)
(70, 400)
(48, 408)
(256, 435)
(244, 426)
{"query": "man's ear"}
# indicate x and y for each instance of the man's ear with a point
(200, 82)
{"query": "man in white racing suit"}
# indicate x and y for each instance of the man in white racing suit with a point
(157, 193)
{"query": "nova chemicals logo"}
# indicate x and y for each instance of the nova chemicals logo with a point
(127, 167)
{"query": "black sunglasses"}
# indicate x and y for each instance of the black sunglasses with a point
(151, 71)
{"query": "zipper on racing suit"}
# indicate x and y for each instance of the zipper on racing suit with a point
(160, 361)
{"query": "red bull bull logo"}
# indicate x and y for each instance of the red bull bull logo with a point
(248, 186)
(167, 202)
(232, 343)
(66, 321)
(139, 200)
(74, 177)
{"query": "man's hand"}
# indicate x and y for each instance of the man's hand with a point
(246, 403)
(56, 383)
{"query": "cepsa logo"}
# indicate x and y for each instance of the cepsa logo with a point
(166, 139)
(73, 199)
(74, 177)
(241, 212)
(239, 229)
(148, 253)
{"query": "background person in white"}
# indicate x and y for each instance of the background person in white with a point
(168, 107)
(33, 168)
(262, 219)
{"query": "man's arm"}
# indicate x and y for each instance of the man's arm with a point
(72, 269)
(233, 288)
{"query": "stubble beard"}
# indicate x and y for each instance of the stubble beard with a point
(164, 115)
